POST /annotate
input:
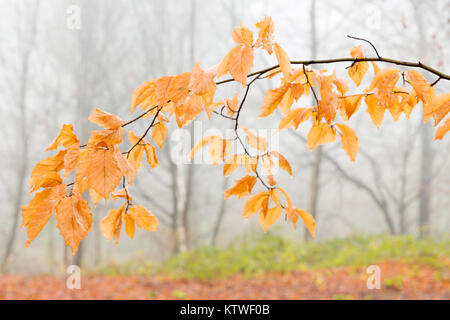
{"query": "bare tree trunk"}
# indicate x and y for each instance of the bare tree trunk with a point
(315, 171)
(190, 167)
(426, 152)
(222, 210)
(23, 145)
(426, 165)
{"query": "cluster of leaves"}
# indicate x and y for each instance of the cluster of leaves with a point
(99, 166)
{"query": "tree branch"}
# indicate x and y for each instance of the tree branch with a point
(352, 60)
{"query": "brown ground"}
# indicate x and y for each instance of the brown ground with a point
(413, 282)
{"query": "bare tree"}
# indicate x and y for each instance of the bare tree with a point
(27, 36)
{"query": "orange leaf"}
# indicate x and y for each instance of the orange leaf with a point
(238, 63)
(110, 137)
(105, 119)
(272, 99)
(283, 61)
(349, 141)
(320, 134)
(442, 130)
(126, 167)
(255, 141)
(202, 143)
(66, 137)
(202, 82)
(232, 105)
(159, 133)
(328, 98)
(309, 221)
(36, 214)
(104, 173)
(144, 95)
(282, 162)
(375, 111)
(268, 217)
(242, 188)
(45, 173)
(74, 220)
(424, 91)
(243, 35)
(358, 69)
(71, 159)
(144, 219)
(441, 107)
(112, 223)
(266, 29)
(218, 150)
(255, 203)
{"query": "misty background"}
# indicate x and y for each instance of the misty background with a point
(52, 72)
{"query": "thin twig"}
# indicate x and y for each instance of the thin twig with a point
(362, 39)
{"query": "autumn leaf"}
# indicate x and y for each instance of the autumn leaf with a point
(242, 187)
(349, 141)
(38, 211)
(129, 225)
(202, 143)
(177, 90)
(71, 159)
(268, 217)
(218, 150)
(424, 91)
(238, 63)
(110, 137)
(349, 105)
(256, 142)
(272, 99)
(105, 119)
(202, 82)
(74, 220)
(104, 173)
(127, 169)
(243, 35)
(112, 223)
(375, 111)
(45, 173)
(66, 137)
(136, 154)
(442, 130)
(266, 29)
(95, 197)
(328, 98)
(309, 221)
(144, 219)
(267, 163)
(233, 163)
(255, 203)
(358, 69)
(283, 61)
(295, 117)
(232, 105)
(144, 95)
(159, 133)
(320, 134)
(441, 107)
(383, 84)
(282, 162)
(121, 193)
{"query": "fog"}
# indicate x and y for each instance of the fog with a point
(55, 69)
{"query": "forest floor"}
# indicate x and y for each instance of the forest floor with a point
(399, 280)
